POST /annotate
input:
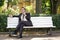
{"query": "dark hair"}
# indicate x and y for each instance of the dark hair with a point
(24, 8)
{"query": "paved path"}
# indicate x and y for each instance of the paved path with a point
(30, 38)
(55, 36)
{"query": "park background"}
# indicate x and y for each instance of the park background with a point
(35, 7)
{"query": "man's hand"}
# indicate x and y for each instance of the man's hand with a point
(10, 15)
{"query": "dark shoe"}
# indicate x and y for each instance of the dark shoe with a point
(19, 37)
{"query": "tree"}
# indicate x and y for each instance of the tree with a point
(54, 6)
(2, 2)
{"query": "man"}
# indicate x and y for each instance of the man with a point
(24, 20)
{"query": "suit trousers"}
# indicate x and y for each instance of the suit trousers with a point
(21, 25)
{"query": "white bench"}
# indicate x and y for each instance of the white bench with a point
(38, 22)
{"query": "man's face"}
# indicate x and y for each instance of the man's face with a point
(22, 10)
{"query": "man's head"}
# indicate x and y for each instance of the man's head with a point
(23, 10)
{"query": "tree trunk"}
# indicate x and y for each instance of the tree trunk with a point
(54, 6)
(38, 6)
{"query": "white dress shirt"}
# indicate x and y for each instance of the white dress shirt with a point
(23, 18)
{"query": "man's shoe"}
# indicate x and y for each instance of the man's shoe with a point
(19, 37)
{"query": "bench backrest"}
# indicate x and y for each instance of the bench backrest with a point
(37, 22)
(42, 21)
(12, 22)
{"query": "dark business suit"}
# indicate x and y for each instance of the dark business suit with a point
(23, 23)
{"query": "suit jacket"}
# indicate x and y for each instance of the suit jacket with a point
(27, 17)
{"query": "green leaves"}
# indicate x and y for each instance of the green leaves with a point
(3, 23)
(46, 7)
(2, 2)
(56, 20)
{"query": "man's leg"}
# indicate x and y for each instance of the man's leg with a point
(17, 29)
(21, 30)
(21, 25)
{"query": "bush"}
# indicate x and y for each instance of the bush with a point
(3, 23)
(2, 2)
(56, 20)
(34, 14)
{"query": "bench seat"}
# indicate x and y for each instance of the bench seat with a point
(36, 27)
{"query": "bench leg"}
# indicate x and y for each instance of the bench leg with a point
(49, 32)
(9, 33)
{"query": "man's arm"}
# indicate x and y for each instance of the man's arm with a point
(28, 16)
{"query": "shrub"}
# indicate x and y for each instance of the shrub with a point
(56, 20)
(3, 23)
(2, 2)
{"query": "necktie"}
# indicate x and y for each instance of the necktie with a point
(23, 17)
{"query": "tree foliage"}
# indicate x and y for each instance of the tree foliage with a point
(46, 6)
(2, 2)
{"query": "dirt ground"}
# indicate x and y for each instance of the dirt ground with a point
(54, 36)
